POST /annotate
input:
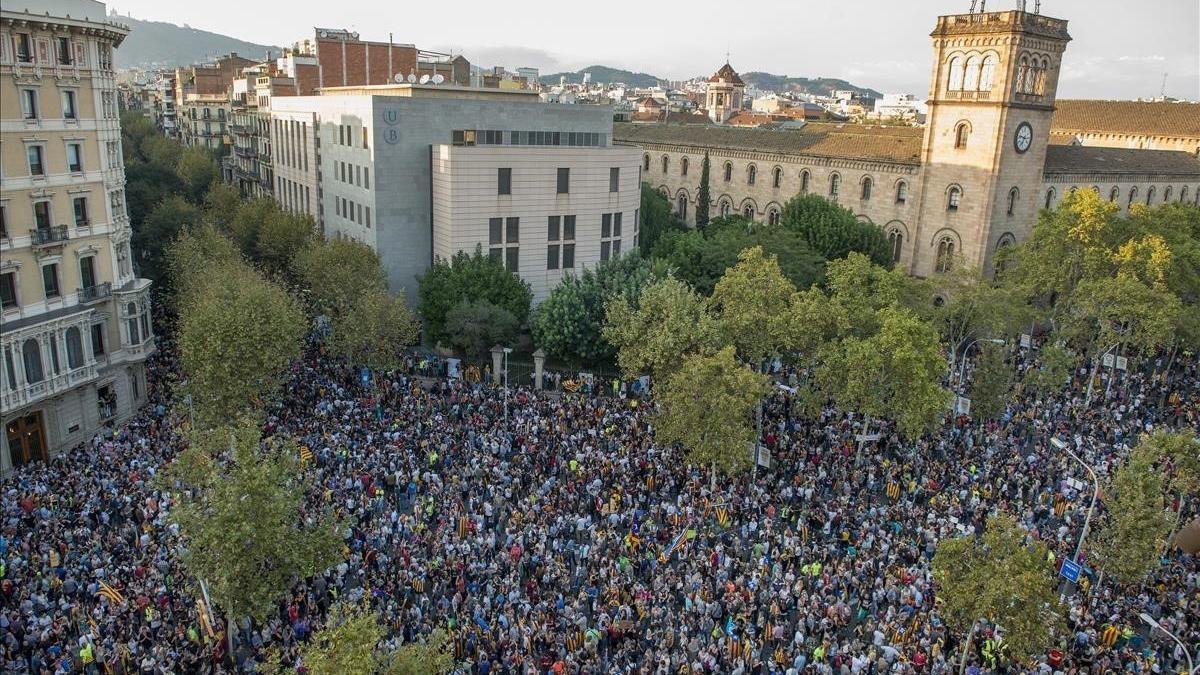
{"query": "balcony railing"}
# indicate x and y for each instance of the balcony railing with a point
(969, 95)
(49, 235)
(50, 386)
(95, 293)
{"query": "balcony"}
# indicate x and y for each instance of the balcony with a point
(51, 386)
(242, 151)
(97, 293)
(49, 236)
(969, 95)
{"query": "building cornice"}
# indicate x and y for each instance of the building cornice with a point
(781, 158)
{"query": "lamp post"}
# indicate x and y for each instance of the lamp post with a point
(507, 351)
(1153, 623)
(962, 367)
(1062, 445)
(1087, 403)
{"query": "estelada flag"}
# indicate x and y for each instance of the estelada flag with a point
(111, 593)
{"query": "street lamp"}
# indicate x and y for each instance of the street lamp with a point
(1062, 445)
(1153, 623)
(962, 367)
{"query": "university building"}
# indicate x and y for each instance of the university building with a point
(75, 325)
(423, 171)
(993, 151)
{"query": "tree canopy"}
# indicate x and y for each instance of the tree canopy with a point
(669, 321)
(469, 278)
(834, 231)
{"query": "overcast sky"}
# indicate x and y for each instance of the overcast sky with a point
(1120, 48)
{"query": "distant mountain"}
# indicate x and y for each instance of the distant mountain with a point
(156, 44)
(818, 85)
(605, 75)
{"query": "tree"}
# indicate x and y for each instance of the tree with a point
(893, 373)
(221, 205)
(862, 288)
(834, 231)
(373, 331)
(1004, 577)
(746, 299)
(153, 234)
(194, 257)
(281, 236)
(570, 321)
(432, 656)
(1052, 370)
(1177, 456)
(471, 278)
(238, 333)
(668, 322)
(657, 219)
(475, 327)
(248, 536)
(707, 407)
(1137, 523)
(337, 272)
(198, 169)
(146, 185)
(991, 383)
(703, 198)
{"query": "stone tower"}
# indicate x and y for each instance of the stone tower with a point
(725, 93)
(991, 97)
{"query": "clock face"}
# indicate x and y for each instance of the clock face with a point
(1023, 137)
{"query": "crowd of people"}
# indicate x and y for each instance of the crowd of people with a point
(548, 533)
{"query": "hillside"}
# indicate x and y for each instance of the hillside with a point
(604, 74)
(816, 85)
(157, 44)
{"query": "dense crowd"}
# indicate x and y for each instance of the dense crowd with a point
(558, 538)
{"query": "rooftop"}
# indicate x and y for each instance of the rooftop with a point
(1155, 118)
(413, 90)
(1091, 159)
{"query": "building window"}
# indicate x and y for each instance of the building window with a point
(1150, 195)
(724, 208)
(75, 157)
(971, 78)
(24, 52)
(504, 181)
(32, 356)
(1013, 194)
(8, 290)
(953, 197)
(835, 185)
(131, 324)
(36, 166)
(552, 237)
(748, 211)
(777, 178)
(41, 215)
(564, 181)
(666, 162)
(805, 177)
(1049, 197)
(4, 219)
(1114, 194)
(610, 235)
(29, 104)
(87, 272)
(945, 254)
(560, 240)
(614, 179)
(960, 135)
(568, 239)
(728, 171)
(504, 236)
(866, 188)
(751, 174)
(50, 281)
(1183, 195)
(901, 192)
(1132, 196)
(74, 348)
(646, 162)
(1000, 257)
(956, 74)
(683, 166)
(896, 239)
(987, 72)
(68, 105)
(1167, 195)
(772, 216)
(97, 339)
(681, 207)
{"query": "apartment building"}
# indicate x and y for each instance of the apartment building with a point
(418, 171)
(203, 98)
(75, 326)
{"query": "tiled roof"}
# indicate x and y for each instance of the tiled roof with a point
(1127, 117)
(1091, 159)
(891, 144)
(672, 118)
(745, 118)
(726, 73)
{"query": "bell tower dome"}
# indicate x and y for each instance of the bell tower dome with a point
(725, 93)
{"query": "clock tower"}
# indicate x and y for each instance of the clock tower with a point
(990, 102)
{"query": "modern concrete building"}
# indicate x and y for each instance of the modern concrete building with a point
(422, 170)
(74, 318)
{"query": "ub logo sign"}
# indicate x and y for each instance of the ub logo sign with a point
(391, 117)
(391, 136)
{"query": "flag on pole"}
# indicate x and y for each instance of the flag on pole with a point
(111, 593)
(306, 455)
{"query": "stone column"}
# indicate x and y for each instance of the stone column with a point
(497, 357)
(539, 360)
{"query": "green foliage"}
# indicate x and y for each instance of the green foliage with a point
(834, 231)
(336, 273)
(155, 233)
(281, 237)
(963, 306)
(991, 383)
(373, 331)
(568, 324)
(197, 255)
(237, 335)
(475, 327)
(657, 219)
(654, 335)
(197, 168)
(147, 184)
(469, 278)
(1137, 522)
(1052, 368)
(221, 205)
(350, 644)
(246, 534)
(745, 301)
(1178, 455)
(703, 197)
(1106, 310)
(707, 407)
(1006, 578)
(862, 288)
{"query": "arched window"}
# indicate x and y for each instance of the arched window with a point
(1000, 258)
(805, 176)
(32, 354)
(74, 348)
(1023, 76)
(1013, 195)
(1132, 196)
(866, 188)
(751, 174)
(835, 184)
(901, 192)
(961, 132)
(1039, 86)
(666, 163)
(728, 171)
(682, 207)
(987, 72)
(725, 208)
(772, 216)
(953, 197)
(945, 253)
(776, 177)
(131, 321)
(1167, 195)
(971, 81)
(1049, 197)
(683, 166)
(956, 74)
(646, 162)
(748, 210)
(1150, 195)
(896, 239)
(1114, 193)
(1183, 194)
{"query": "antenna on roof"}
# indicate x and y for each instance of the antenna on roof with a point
(1037, 6)
(1163, 91)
